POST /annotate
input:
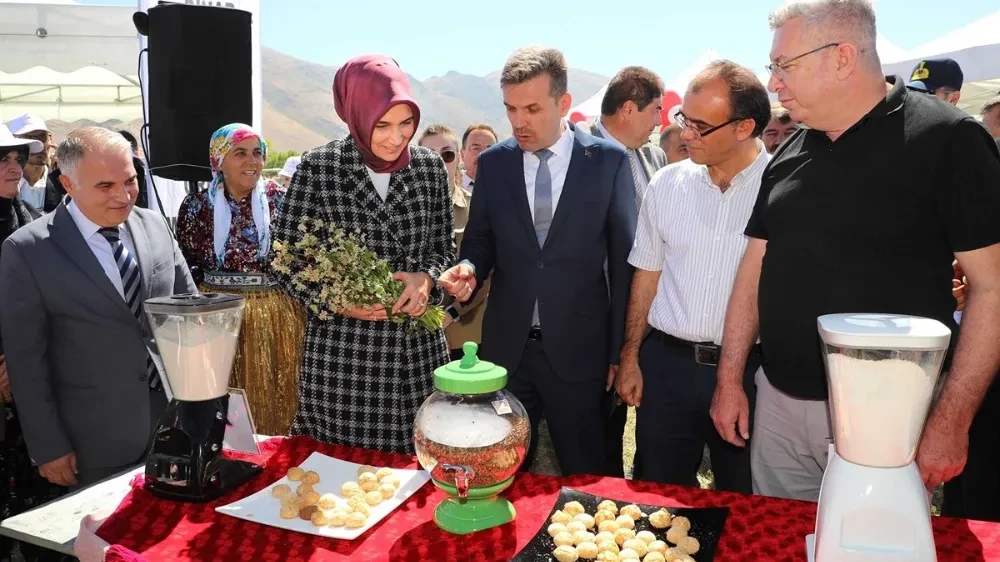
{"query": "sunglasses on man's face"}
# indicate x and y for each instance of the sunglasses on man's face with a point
(448, 156)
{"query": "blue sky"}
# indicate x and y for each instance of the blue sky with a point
(474, 37)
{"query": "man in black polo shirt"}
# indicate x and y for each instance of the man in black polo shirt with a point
(863, 212)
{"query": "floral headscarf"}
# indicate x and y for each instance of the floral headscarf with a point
(223, 140)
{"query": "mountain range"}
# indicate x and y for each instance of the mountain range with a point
(298, 100)
(298, 108)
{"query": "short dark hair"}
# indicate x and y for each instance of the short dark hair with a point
(528, 63)
(990, 105)
(436, 129)
(131, 139)
(781, 115)
(671, 130)
(747, 96)
(632, 83)
(478, 127)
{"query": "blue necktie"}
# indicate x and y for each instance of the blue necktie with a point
(543, 209)
(128, 268)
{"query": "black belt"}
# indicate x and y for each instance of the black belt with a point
(535, 334)
(705, 353)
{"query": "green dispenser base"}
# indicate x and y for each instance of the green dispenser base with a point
(482, 509)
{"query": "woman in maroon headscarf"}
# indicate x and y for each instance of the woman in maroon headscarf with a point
(363, 377)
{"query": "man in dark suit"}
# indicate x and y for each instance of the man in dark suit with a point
(551, 206)
(83, 365)
(630, 112)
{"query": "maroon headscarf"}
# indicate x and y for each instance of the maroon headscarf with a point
(364, 89)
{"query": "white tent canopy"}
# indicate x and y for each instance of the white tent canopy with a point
(91, 93)
(66, 36)
(976, 48)
(592, 107)
(73, 61)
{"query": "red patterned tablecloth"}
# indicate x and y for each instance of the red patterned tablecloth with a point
(758, 528)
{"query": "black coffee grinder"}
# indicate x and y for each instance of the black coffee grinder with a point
(197, 336)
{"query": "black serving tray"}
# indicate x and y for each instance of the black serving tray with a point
(706, 526)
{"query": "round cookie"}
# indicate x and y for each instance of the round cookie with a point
(689, 545)
(608, 505)
(356, 520)
(563, 538)
(573, 508)
(587, 550)
(374, 497)
(327, 501)
(311, 478)
(320, 518)
(565, 554)
(387, 491)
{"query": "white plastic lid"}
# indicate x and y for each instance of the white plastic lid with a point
(883, 331)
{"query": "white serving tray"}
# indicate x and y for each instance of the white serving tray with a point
(264, 509)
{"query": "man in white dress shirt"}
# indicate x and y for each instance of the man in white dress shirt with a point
(476, 138)
(688, 245)
(36, 173)
(83, 365)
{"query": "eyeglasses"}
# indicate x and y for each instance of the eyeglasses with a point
(448, 156)
(683, 122)
(778, 69)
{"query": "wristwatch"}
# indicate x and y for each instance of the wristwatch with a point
(452, 311)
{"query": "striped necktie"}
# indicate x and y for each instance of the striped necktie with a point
(128, 268)
(638, 176)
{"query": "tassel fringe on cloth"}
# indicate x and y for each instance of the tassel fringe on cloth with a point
(269, 351)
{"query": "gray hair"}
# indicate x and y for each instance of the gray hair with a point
(835, 20)
(528, 63)
(990, 106)
(88, 139)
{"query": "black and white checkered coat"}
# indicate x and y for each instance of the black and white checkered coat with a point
(362, 382)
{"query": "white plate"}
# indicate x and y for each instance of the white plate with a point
(264, 509)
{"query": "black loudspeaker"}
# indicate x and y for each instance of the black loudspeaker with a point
(200, 73)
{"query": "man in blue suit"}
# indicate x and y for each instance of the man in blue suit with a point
(552, 205)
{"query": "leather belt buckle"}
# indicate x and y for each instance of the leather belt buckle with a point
(706, 355)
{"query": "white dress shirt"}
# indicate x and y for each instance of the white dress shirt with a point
(467, 183)
(34, 195)
(638, 173)
(692, 232)
(101, 248)
(562, 150)
(380, 181)
(609, 137)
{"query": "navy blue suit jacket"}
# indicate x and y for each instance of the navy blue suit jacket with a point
(582, 309)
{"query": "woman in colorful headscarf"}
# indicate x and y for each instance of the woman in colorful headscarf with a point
(225, 235)
(363, 377)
